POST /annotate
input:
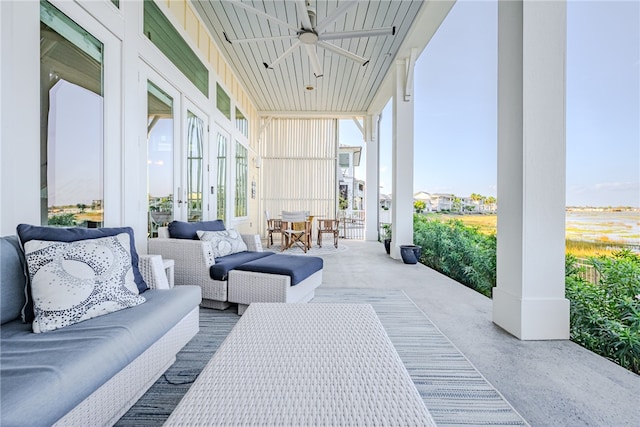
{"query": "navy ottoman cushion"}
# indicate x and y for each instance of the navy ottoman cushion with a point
(296, 267)
(225, 264)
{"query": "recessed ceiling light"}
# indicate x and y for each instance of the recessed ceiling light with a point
(309, 87)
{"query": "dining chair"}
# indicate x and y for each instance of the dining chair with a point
(296, 230)
(273, 226)
(328, 226)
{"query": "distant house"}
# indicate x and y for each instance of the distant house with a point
(436, 202)
(442, 202)
(350, 188)
(426, 198)
(385, 201)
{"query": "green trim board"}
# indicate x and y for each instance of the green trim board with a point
(164, 36)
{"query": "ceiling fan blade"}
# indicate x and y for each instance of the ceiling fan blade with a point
(389, 31)
(257, 39)
(340, 51)
(335, 15)
(315, 62)
(263, 14)
(283, 56)
(303, 16)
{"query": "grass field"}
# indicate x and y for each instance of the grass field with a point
(600, 236)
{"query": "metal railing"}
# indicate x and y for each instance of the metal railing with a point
(588, 272)
(351, 224)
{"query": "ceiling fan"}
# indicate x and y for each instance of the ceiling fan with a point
(311, 34)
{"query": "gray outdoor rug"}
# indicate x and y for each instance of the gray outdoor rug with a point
(453, 390)
(326, 249)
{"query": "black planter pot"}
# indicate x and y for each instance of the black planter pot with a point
(387, 246)
(410, 253)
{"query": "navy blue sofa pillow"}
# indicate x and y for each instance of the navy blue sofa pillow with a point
(60, 234)
(187, 230)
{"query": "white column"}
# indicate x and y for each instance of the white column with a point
(20, 121)
(372, 185)
(402, 161)
(529, 298)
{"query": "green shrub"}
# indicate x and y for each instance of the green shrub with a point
(65, 220)
(459, 251)
(605, 318)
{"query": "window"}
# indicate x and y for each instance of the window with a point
(222, 176)
(223, 102)
(195, 133)
(242, 171)
(343, 160)
(159, 30)
(242, 124)
(72, 147)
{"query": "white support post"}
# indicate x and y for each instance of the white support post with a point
(372, 188)
(402, 152)
(529, 298)
(20, 125)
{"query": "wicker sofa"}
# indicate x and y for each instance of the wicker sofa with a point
(243, 277)
(91, 372)
(193, 262)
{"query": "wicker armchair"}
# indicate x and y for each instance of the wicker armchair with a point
(192, 261)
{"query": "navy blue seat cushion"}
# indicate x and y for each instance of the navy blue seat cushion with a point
(296, 267)
(187, 230)
(44, 376)
(225, 264)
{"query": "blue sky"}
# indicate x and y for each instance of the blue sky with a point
(455, 105)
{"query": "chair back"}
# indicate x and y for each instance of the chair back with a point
(293, 216)
(274, 225)
(328, 225)
(267, 215)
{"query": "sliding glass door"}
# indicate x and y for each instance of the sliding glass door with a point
(161, 187)
(177, 136)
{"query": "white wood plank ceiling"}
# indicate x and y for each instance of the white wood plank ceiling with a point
(346, 86)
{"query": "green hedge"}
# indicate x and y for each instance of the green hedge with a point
(605, 318)
(457, 250)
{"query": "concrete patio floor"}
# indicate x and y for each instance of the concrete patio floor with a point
(550, 383)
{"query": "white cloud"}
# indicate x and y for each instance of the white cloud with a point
(617, 186)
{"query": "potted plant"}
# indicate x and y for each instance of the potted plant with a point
(386, 228)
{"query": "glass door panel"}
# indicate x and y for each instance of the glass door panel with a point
(220, 151)
(160, 152)
(72, 122)
(195, 173)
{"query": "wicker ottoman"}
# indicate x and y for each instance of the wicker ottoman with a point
(304, 365)
(277, 278)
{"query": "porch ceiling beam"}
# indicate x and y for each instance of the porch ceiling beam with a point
(311, 114)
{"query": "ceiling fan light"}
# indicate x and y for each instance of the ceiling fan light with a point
(308, 37)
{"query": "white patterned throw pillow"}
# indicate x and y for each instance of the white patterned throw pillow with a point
(76, 281)
(223, 242)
